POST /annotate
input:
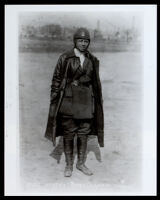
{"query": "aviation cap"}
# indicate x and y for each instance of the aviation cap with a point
(81, 33)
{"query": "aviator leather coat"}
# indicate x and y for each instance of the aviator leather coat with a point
(58, 85)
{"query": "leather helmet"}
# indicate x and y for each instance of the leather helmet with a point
(81, 33)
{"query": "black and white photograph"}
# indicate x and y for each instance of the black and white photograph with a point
(80, 100)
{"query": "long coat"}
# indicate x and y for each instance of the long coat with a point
(59, 79)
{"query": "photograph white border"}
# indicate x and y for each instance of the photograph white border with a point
(12, 181)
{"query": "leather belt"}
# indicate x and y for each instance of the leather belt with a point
(78, 83)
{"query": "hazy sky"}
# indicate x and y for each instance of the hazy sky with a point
(108, 20)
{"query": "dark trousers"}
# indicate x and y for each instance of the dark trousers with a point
(81, 127)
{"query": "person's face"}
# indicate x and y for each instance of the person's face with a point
(82, 44)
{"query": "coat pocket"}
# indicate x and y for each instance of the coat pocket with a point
(82, 102)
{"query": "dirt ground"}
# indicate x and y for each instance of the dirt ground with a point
(117, 166)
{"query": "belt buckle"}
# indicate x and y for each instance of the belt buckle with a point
(75, 83)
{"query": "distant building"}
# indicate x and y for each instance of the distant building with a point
(97, 34)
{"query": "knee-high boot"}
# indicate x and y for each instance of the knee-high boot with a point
(81, 150)
(68, 150)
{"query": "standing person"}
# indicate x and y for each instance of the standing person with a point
(76, 102)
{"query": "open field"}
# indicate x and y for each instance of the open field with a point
(120, 166)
